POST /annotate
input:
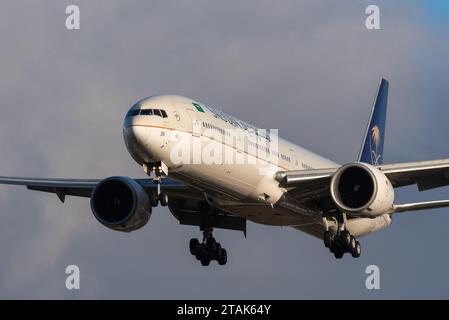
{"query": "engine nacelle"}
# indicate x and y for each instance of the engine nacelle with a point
(121, 204)
(362, 190)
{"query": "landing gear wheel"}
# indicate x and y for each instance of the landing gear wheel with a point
(205, 260)
(357, 250)
(338, 253)
(198, 253)
(163, 199)
(328, 238)
(194, 246)
(222, 256)
(154, 201)
(217, 250)
(352, 244)
(209, 249)
(345, 238)
(211, 245)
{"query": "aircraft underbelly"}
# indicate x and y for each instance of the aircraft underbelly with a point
(274, 216)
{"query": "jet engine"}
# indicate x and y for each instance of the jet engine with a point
(362, 190)
(121, 204)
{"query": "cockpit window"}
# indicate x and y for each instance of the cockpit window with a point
(133, 112)
(146, 112)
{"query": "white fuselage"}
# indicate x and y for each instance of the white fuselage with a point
(231, 161)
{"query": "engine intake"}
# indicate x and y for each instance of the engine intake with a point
(362, 189)
(121, 204)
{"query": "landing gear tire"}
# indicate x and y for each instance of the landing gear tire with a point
(194, 246)
(211, 245)
(208, 250)
(345, 238)
(338, 252)
(357, 250)
(352, 244)
(198, 255)
(205, 260)
(341, 243)
(154, 201)
(163, 199)
(218, 248)
(222, 256)
(328, 239)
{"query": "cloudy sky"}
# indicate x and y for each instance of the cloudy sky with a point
(309, 68)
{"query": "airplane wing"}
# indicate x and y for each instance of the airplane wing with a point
(62, 187)
(80, 187)
(184, 201)
(308, 186)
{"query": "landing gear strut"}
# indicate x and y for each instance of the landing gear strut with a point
(157, 199)
(156, 169)
(342, 241)
(208, 250)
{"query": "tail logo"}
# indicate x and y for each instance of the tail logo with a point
(374, 145)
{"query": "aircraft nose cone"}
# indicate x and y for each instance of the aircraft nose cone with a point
(137, 142)
(136, 136)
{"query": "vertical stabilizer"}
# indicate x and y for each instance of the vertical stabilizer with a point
(372, 149)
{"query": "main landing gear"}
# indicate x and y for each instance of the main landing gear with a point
(208, 250)
(342, 241)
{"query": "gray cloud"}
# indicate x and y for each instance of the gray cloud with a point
(308, 68)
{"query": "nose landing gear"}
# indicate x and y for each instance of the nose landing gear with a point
(161, 198)
(157, 170)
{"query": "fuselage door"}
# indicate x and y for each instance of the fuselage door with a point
(196, 123)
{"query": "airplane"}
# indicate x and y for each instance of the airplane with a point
(213, 170)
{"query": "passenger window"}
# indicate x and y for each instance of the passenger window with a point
(157, 112)
(146, 112)
(164, 114)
